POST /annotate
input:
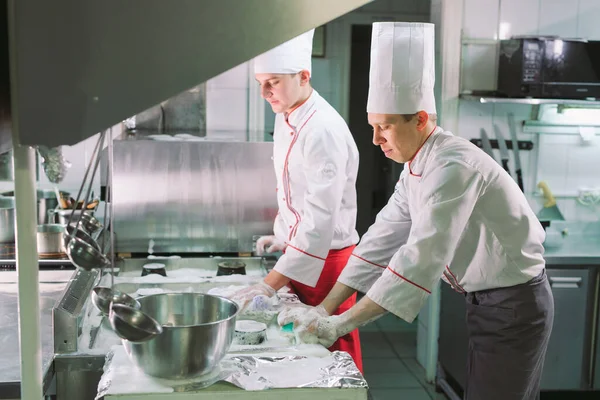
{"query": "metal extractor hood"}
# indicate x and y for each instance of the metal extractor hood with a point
(80, 66)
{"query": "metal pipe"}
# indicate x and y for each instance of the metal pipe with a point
(30, 340)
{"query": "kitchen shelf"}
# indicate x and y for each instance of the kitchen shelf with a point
(528, 101)
(538, 127)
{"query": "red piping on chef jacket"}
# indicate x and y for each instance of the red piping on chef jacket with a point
(304, 252)
(285, 178)
(367, 261)
(394, 272)
(456, 285)
(418, 150)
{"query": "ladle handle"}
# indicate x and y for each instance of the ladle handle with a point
(94, 157)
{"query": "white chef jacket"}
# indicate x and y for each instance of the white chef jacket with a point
(316, 164)
(455, 214)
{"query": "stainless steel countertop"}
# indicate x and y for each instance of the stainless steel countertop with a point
(573, 250)
(52, 283)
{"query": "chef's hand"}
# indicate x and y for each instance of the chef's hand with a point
(244, 296)
(324, 330)
(269, 244)
(293, 313)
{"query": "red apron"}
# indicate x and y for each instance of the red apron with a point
(334, 264)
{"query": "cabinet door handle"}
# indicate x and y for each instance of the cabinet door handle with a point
(565, 282)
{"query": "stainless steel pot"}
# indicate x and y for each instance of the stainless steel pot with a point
(46, 201)
(197, 332)
(63, 215)
(50, 239)
(7, 219)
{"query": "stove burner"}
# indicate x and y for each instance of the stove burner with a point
(231, 267)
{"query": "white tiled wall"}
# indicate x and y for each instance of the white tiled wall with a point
(227, 101)
(488, 20)
(564, 161)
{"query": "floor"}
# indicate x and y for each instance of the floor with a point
(389, 347)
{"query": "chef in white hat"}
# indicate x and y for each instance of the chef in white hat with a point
(455, 215)
(316, 164)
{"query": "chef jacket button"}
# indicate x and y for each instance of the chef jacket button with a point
(283, 199)
(292, 133)
(290, 227)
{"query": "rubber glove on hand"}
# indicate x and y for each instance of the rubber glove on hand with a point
(269, 244)
(295, 312)
(244, 296)
(324, 330)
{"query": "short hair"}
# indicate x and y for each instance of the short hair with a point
(409, 117)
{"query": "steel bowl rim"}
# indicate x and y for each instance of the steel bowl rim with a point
(160, 328)
(168, 327)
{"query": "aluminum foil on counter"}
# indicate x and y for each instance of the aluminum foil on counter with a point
(337, 370)
(249, 372)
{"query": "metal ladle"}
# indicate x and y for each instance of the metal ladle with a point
(103, 297)
(132, 324)
(83, 253)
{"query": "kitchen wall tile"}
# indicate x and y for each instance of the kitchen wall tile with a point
(480, 19)
(588, 17)
(567, 163)
(235, 78)
(472, 116)
(226, 109)
(269, 119)
(519, 17)
(478, 70)
(321, 74)
(557, 17)
(553, 155)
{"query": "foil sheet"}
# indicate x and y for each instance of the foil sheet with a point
(262, 372)
(249, 372)
(55, 165)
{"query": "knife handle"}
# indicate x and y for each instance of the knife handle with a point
(520, 179)
(505, 165)
(550, 200)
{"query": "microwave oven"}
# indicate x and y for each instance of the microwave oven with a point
(549, 67)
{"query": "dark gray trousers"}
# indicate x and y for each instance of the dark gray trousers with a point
(509, 329)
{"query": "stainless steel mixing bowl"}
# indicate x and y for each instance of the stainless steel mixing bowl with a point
(197, 332)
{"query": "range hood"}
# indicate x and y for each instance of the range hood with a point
(80, 66)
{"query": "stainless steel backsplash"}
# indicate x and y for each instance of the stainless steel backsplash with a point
(192, 196)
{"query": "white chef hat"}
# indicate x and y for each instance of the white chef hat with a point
(290, 57)
(402, 73)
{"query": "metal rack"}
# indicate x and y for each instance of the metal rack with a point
(527, 101)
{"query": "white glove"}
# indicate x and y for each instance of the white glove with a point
(295, 312)
(269, 244)
(244, 296)
(322, 330)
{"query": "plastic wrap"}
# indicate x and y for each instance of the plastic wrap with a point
(55, 165)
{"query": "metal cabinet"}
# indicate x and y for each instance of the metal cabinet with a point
(567, 359)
